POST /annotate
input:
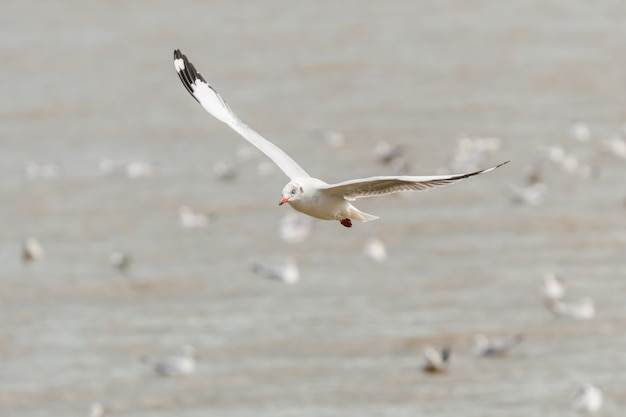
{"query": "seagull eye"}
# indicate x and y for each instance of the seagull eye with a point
(293, 191)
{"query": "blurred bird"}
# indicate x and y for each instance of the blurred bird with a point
(32, 250)
(584, 309)
(225, 171)
(393, 156)
(182, 364)
(295, 227)
(552, 288)
(616, 146)
(37, 170)
(580, 131)
(287, 272)
(96, 410)
(108, 166)
(375, 249)
(332, 138)
(191, 220)
(483, 346)
(139, 169)
(473, 152)
(435, 361)
(566, 162)
(529, 195)
(588, 399)
(120, 261)
(533, 174)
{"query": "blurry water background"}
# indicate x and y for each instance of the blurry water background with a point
(87, 80)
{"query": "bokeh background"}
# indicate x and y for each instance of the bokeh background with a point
(89, 91)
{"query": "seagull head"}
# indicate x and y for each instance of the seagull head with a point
(292, 192)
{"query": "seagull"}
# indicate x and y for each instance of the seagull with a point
(96, 410)
(580, 131)
(483, 346)
(304, 193)
(529, 195)
(583, 309)
(375, 249)
(295, 227)
(552, 288)
(225, 171)
(615, 146)
(120, 261)
(42, 170)
(435, 361)
(139, 169)
(332, 138)
(588, 399)
(286, 272)
(192, 220)
(182, 364)
(32, 250)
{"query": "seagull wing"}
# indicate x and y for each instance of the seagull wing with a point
(217, 107)
(375, 186)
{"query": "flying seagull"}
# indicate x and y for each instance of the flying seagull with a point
(304, 193)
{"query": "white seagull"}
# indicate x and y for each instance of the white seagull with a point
(286, 272)
(32, 250)
(484, 346)
(304, 193)
(182, 364)
(552, 288)
(588, 399)
(584, 309)
(435, 361)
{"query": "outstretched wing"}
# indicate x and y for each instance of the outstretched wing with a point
(375, 186)
(217, 107)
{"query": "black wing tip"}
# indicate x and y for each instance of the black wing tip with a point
(188, 68)
(490, 169)
(471, 174)
(186, 72)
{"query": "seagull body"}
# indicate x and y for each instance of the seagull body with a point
(287, 272)
(295, 227)
(182, 364)
(32, 250)
(529, 195)
(435, 361)
(484, 346)
(375, 249)
(120, 261)
(96, 410)
(304, 193)
(192, 220)
(583, 309)
(588, 399)
(139, 169)
(552, 288)
(580, 131)
(616, 146)
(42, 170)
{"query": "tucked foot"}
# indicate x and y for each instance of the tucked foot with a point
(346, 222)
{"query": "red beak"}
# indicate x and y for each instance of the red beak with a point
(283, 201)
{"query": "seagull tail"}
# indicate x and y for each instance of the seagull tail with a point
(361, 216)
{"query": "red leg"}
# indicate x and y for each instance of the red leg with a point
(346, 222)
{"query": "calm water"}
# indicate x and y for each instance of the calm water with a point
(86, 80)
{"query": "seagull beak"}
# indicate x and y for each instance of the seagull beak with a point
(283, 201)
